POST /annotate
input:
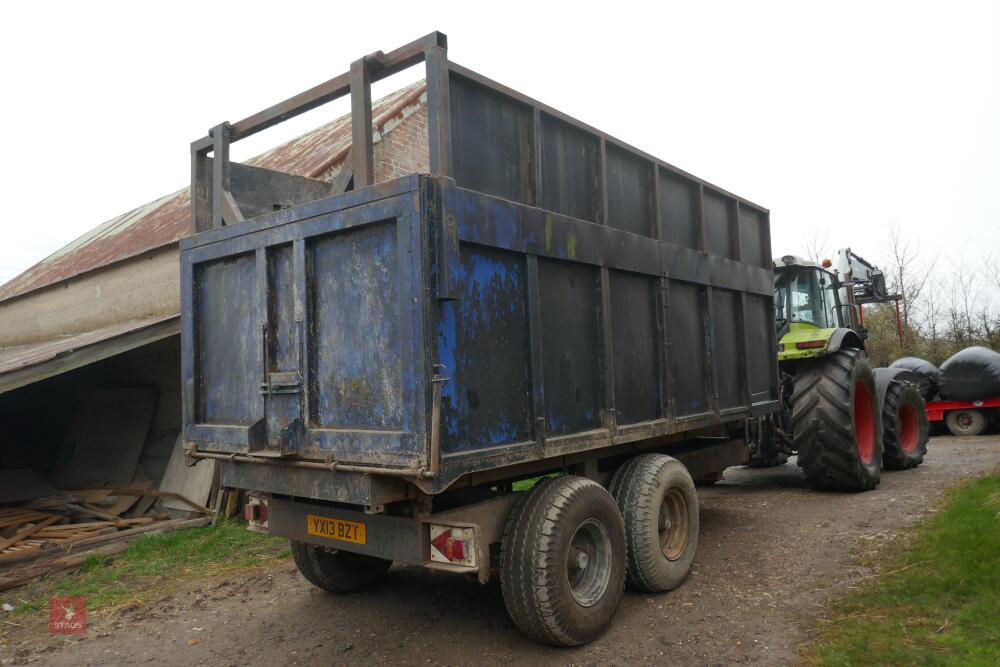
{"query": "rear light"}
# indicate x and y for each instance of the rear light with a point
(810, 344)
(453, 545)
(255, 513)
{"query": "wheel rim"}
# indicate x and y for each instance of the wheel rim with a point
(588, 564)
(673, 524)
(964, 420)
(909, 428)
(864, 422)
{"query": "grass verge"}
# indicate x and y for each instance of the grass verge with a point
(937, 604)
(152, 564)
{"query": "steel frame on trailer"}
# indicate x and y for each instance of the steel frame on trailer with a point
(214, 206)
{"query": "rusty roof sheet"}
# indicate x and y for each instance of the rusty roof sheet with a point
(21, 357)
(162, 222)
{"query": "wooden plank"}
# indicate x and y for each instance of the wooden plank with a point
(176, 496)
(232, 503)
(156, 527)
(142, 506)
(37, 571)
(18, 511)
(344, 177)
(16, 550)
(25, 518)
(28, 531)
(71, 527)
(193, 483)
(125, 501)
(92, 495)
(89, 510)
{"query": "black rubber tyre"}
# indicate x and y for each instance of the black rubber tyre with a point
(337, 571)
(836, 424)
(552, 593)
(905, 429)
(660, 506)
(965, 423)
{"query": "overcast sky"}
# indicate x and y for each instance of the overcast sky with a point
(841, 119)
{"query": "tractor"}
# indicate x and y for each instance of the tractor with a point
(844, 420)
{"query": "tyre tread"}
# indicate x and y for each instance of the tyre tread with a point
(528, 567)
(894, 457)
(822, 423)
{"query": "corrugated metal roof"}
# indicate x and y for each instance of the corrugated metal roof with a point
(164, 221)
(32, 355)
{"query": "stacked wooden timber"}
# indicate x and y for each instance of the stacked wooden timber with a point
(48, 529)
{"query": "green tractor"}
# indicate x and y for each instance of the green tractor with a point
(844, 420)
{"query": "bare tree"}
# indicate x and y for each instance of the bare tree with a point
(964, 293)
(817, 244)
(991, 271)
(908, 273)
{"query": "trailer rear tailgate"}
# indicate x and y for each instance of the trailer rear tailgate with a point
(306, 334)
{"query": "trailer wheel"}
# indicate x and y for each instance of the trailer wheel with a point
(965, 422)
(562, 562)
(904, 426)
(335, 570)
(660, 507)
(835, 421)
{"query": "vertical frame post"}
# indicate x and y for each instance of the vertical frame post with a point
(536, 156)
(201, 213)
(712, 375)
(744, 333)
(300, 269)
(438, 111)
(535, 341)
(611, 421)
(602, 183)
(220, 171)
(361, 123)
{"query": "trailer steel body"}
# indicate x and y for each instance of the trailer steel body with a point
(394, 355)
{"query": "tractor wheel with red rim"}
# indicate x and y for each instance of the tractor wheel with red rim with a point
(836, 424)
(904, 427)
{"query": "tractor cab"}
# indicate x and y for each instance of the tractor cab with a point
(807, 307)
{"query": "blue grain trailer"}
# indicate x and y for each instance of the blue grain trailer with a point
(384, 364)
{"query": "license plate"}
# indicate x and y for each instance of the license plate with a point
(336, 529)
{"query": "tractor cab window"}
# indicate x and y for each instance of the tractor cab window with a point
(809, 296)
(828, 291)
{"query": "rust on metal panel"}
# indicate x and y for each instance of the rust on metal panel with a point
(316, 154)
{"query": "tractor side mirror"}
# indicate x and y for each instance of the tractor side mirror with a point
(863, 332)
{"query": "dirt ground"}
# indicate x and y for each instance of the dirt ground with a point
(772, 554)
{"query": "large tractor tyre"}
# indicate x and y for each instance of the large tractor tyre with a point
(562, 561)
(337, 571)
(965, 422)
(658, 502)
(835, 421)
(905, 429)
